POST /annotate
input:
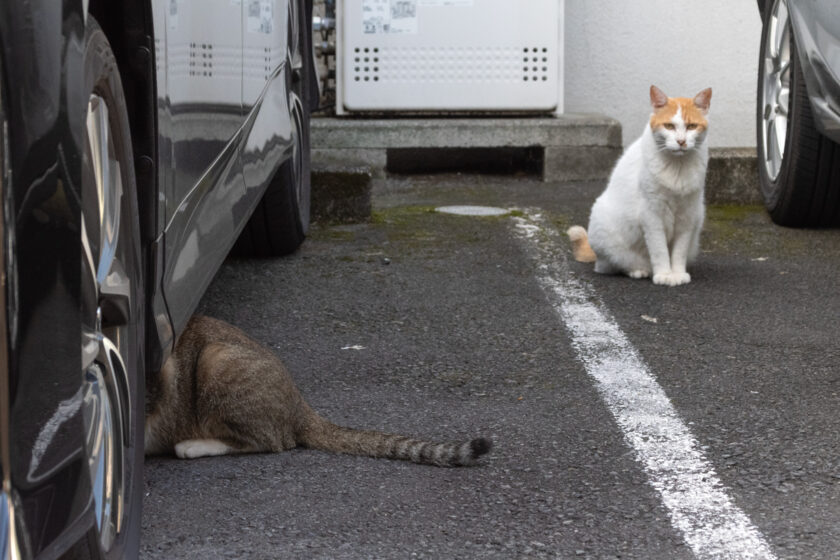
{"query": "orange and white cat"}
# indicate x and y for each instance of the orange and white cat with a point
(648, 220)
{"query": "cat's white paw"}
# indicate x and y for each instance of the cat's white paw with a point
(194, 448)
(671, 278)
(636, 274)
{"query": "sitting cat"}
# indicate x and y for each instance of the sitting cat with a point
(221, 392)
(648, 220)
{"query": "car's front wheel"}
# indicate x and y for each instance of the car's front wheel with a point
(798, 168)
(112, 328)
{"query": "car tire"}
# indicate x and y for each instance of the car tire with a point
(798, 168)
(280, 221)
(113, 309)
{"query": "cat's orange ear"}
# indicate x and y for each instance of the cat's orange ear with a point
(703, 99)
(657, 97)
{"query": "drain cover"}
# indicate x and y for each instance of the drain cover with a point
(473, 210)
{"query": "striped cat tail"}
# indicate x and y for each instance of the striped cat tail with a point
(326, 436)
(581, 249)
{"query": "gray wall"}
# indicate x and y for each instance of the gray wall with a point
(615, 49)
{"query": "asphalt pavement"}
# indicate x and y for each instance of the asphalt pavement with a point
(445, 326)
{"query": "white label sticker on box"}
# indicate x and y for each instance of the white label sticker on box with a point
(389, 16)
(446, 2)
(260, 16)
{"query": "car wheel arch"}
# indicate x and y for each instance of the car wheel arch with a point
(128, 28)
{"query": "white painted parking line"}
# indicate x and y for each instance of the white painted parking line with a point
(698, 503)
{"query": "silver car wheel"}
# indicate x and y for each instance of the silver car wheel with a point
(775, 94)
(106, 305)
(297, 148)
(295, 65)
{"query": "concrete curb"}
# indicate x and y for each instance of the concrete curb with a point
(340, 195)
(732, 176)
(347, 153)
(575, 146)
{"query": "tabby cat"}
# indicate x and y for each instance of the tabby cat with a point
(221, 392)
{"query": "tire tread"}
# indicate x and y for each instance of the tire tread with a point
(806, 192)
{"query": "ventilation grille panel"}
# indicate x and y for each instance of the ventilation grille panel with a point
(440, 65)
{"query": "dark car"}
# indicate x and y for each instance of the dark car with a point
(798, 114)
(139, 140)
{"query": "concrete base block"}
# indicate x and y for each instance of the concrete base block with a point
(579, 163)
(576, 147)
(732, 176)
(373, 159)
(341, 196)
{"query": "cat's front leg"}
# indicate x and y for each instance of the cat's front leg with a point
(660, 259)
(672, 278)
(684, 238)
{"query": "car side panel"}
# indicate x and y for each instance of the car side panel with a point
(200, 119)
(41, 44)
(268, 136)
(817, 31)
(212, 197)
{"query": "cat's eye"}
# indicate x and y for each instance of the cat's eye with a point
(691, 126)
(669, 126)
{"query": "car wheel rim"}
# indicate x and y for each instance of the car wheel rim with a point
(775, 99)
(106, 322)
(295, 65)
(297, 149)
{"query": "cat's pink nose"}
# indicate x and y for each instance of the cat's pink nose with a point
(681, 143)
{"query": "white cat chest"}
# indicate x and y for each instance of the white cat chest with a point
(448, 55)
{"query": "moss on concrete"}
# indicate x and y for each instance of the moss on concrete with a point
(732, 212)
(726, 227)
(747, 229)
(325, 233)
(399, 215)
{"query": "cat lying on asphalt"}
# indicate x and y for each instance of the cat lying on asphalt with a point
(648, 220)
(221, 392)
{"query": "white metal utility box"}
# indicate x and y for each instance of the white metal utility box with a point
(448, 55)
